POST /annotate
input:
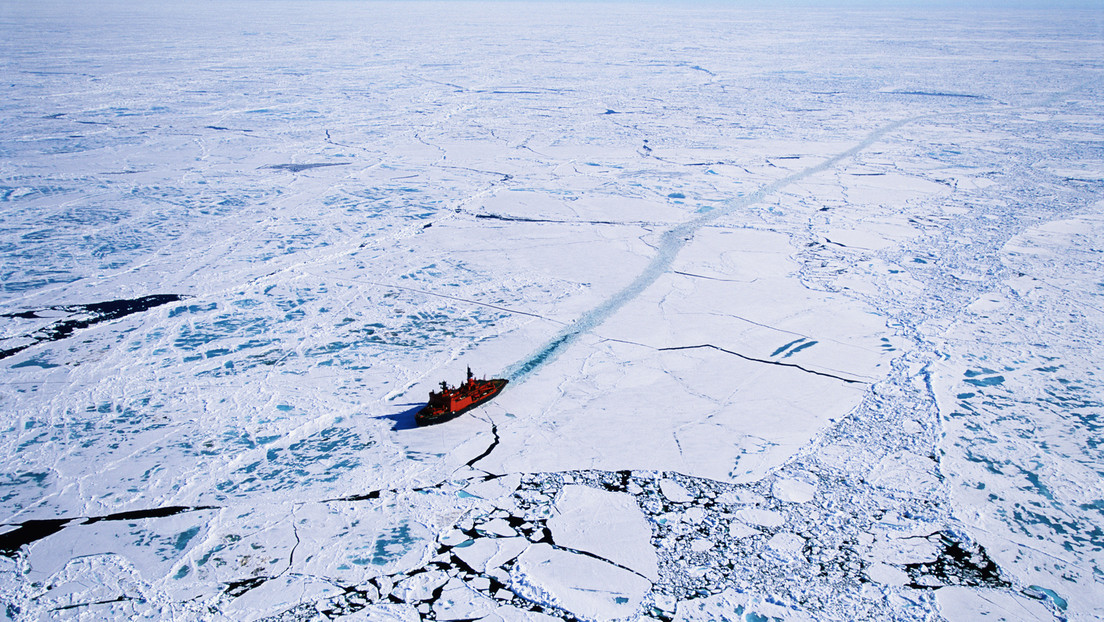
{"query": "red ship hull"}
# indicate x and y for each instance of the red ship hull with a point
(450, 403)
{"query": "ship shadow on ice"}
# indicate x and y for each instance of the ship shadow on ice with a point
(405, 419)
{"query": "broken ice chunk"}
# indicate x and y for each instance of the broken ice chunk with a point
(386, 612)
(508, 549)
(495, 488)
(763, 518)
(498, 527)
(420, 586)
(787, 544)
(906, 550)
(674, 492)
(794, 490)
(886, 574)
(477, 553)
(454, 537)
(700, 545)
(460, 602)
(607, 524)
(694, 515)
(740, 497)
(586, 587)
(506, 613)
(738, 530)
(489, 553)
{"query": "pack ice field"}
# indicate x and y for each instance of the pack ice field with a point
(801, 312)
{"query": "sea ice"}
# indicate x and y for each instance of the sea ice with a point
(279, 594)
(383, 613)
(961, 604)
(589, 588)
(763, 518)
(513, 614)
(794, 490)
(673, 492)
(419, 587)
(886, 574)
(606, 524)
(808, 305)
(731, 606)
(486, 554)
(788, 545)
(460, 602)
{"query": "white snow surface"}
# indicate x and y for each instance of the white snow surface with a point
(802, 312)
(588, 588)
(606, 524)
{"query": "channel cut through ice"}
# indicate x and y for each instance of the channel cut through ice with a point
(802, 312)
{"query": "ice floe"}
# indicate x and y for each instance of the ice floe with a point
(587, 587)
(608, 525)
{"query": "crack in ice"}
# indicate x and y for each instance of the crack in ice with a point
(31, 531)
(83, 316)
(119, 599)
(490, 448)
(768, 362)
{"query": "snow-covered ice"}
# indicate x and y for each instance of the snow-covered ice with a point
(587, 587)
(606, 524)
(802, 311)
